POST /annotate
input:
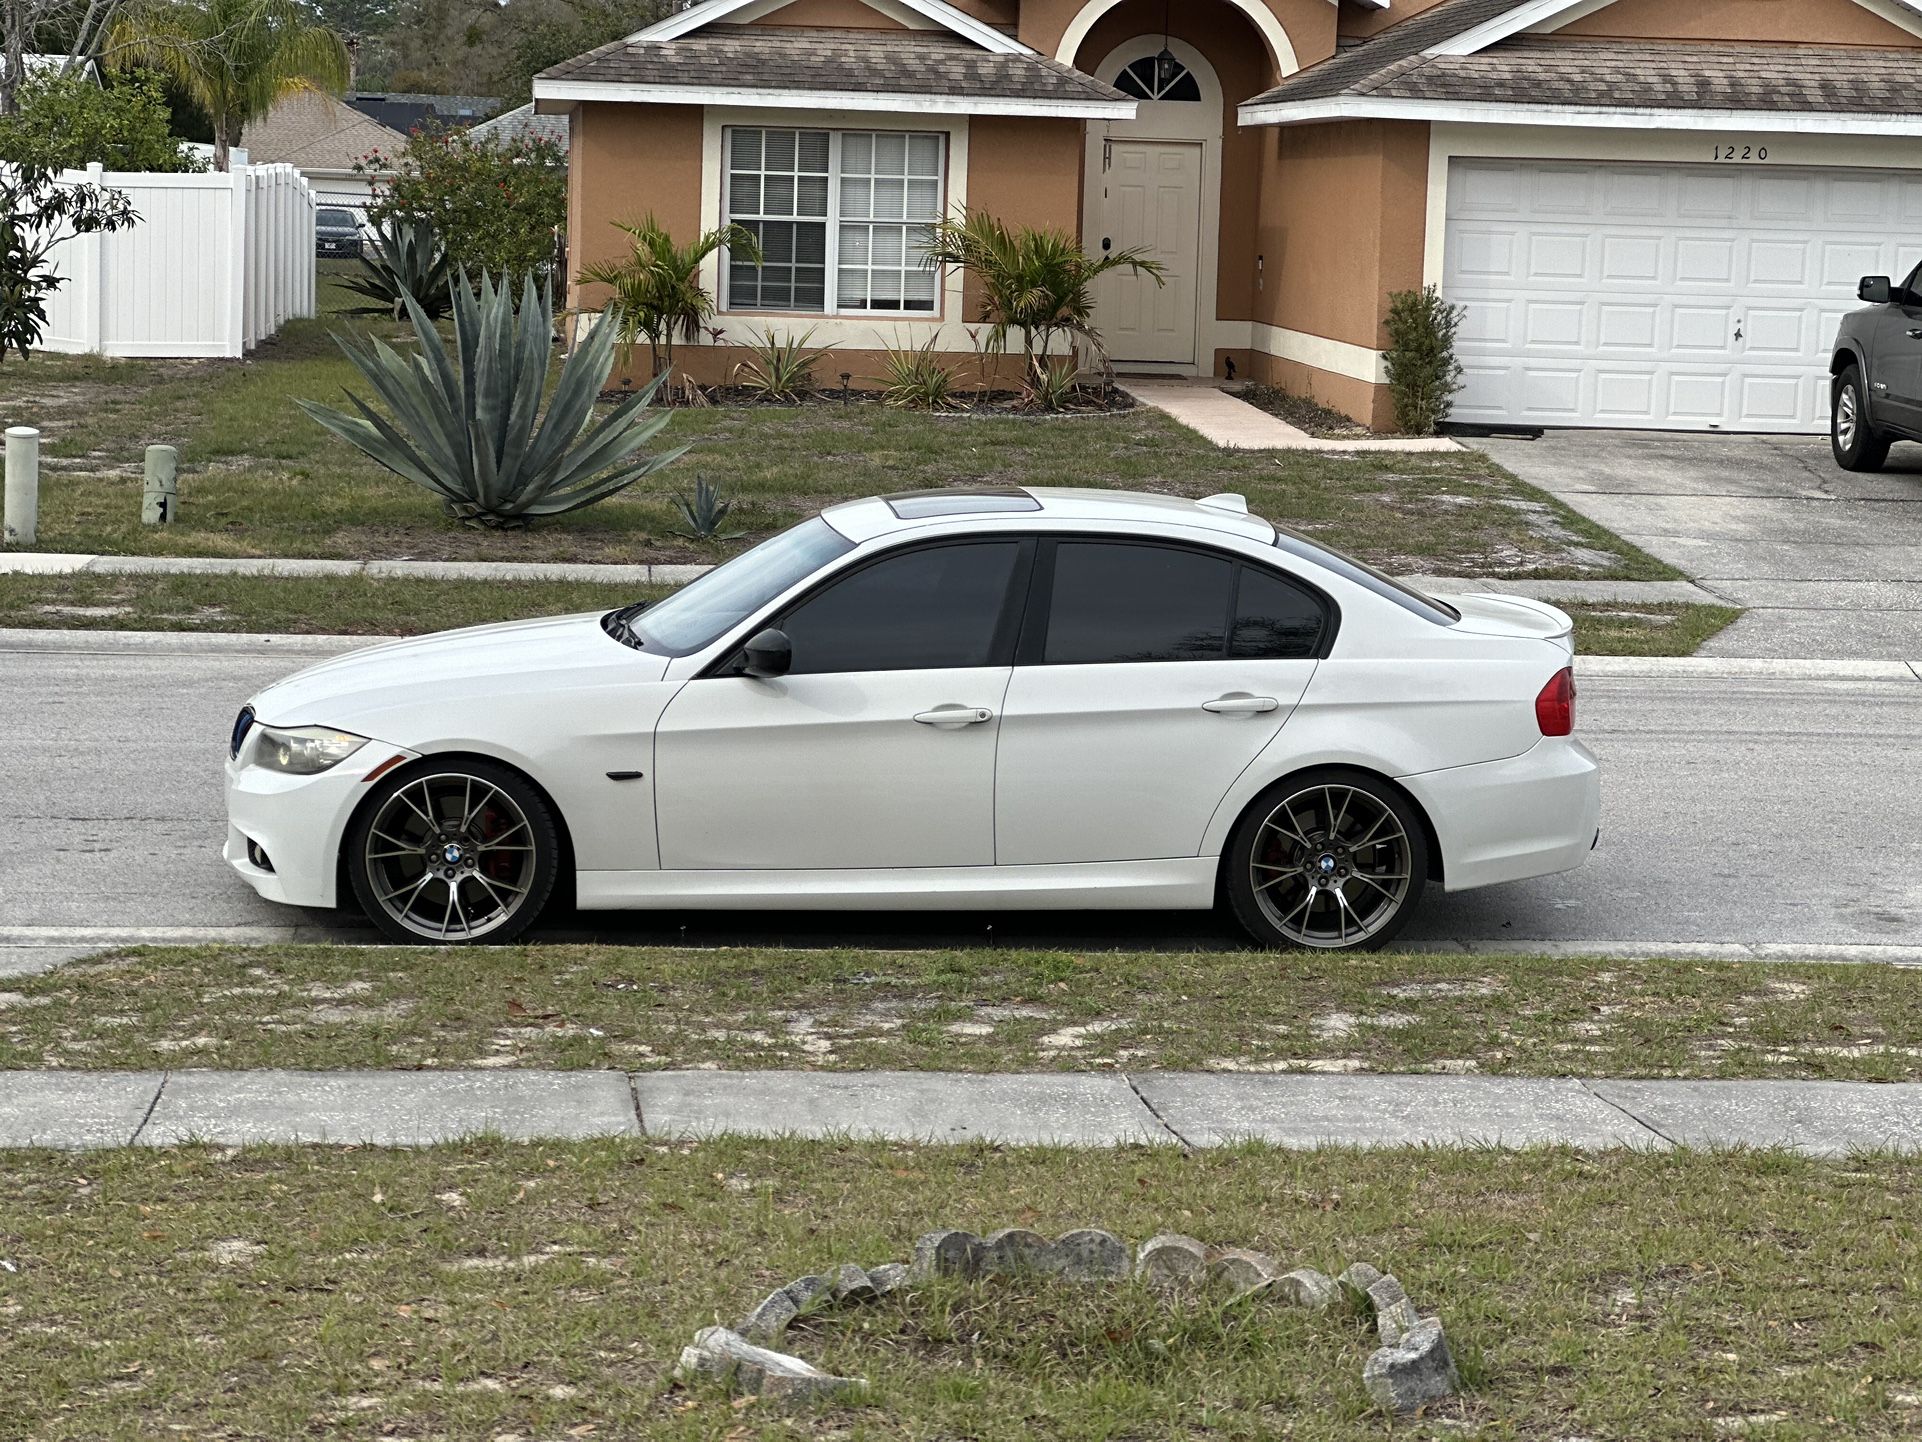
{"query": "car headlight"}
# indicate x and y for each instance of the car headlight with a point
(304, 750)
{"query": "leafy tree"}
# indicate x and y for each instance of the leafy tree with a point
(235, 58)
(496, 205)
(71, 29)
(1037, 282)
(657, 287)
(68, 122)
(36, 214)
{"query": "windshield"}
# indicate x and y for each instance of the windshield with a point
(1363, 574)
(700, 612)
(338, 218)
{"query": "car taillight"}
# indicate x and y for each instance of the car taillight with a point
(1555, 707)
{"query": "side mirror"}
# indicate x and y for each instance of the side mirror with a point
(768, 654)
(1874, 289)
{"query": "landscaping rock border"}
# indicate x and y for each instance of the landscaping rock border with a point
(1410, 1369)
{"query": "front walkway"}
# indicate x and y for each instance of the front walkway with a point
(1233, 424)
(105, 1109)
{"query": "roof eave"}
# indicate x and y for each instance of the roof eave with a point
(1481, 112)
(563, 91)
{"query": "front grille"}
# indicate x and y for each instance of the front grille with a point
(243, 723)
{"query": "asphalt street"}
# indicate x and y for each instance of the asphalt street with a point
(1738, 809)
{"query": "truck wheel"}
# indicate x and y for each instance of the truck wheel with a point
(1858, 446)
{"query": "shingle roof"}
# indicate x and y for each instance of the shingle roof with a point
(1550, 70)
(521, 123)
(314, 131)
(852, 62)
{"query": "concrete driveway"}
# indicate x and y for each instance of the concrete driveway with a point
(1828, 563)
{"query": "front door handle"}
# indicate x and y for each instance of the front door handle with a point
(954, 716)
(1915, 335)
(1241, 705)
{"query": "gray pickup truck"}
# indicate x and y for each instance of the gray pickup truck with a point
(1875, 397)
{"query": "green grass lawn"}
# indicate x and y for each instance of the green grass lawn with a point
(489, 1291)
(380, 607)
(978, 1010)
(260, 479)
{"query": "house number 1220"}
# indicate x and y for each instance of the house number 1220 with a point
(1741, 152)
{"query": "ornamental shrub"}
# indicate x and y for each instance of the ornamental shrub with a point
(1423, 373)
(66, 122)
(498, 206)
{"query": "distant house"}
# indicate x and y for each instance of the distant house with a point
(521, 123)
(405, 111)
(40, 65)
(323, 137)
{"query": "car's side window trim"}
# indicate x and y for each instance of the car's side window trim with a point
(1032, 648)
(1006, 627)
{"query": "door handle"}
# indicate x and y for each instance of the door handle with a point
(1915, 335)
(954, 716)
(1241, 705)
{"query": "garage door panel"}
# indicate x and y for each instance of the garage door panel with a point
(1634, 294)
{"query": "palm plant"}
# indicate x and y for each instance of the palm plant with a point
(469, 428)
(1037, 282)
(409, 259)
(233, 58)
(657, 290)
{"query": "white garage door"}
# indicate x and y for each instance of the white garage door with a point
(1685, 297)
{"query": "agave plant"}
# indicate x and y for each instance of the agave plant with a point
(469, 428)
(409, 259)
(779, 368)
(703, 513)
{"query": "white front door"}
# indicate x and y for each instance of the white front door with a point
(876, 749)
(1688, 297)
(1151, 199)
(1164, 673)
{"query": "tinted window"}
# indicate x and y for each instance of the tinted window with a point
(1273, 618)
(1136, 603)
(340, 219)
(1366, 576)
(935, 607)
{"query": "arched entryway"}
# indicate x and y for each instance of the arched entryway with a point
(1154, 183)
(1181, 178)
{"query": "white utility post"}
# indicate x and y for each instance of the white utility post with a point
(23, 485)
(162, 495)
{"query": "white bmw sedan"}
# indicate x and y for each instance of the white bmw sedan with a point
(998, 698)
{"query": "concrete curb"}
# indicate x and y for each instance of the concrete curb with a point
(42, 563)
(76, 1110)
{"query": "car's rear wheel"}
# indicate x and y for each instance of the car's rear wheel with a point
(1329, 861)
(454, 852)
(1858, 446)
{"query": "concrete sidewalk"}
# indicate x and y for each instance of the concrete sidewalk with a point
(1231, 423)
(52, 563)
(105, 1109)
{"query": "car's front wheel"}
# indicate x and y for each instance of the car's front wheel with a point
(453, 852)
(1858, 446)
(1329, 860)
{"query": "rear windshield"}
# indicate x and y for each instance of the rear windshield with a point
(1366, 576)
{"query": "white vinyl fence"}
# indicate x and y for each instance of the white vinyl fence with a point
(214, 265)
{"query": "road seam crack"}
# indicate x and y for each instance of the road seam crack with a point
(634, 1100)
(152, 1106)
(1160, 1120)
(1641, 1122)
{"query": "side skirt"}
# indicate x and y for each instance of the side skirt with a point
(1185, 883)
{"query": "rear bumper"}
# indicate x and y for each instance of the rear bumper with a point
(1530, 815)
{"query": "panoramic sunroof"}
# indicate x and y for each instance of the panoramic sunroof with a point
(919, 505)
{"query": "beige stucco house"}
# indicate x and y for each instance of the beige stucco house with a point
(1653, 212)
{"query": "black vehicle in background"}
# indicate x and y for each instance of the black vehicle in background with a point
(336, 231)
(1875, 397)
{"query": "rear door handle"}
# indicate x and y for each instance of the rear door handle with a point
(1915, 335)
(954, 716)
(1241, 705)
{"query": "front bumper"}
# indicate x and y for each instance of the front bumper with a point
(299, 822)
(1530, 815)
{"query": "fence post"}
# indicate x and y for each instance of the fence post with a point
(91, 259)
(234, 298)
(22, 522)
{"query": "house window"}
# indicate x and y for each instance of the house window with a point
(853, 205)
(1152, 78)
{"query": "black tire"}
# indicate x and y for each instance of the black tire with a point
(490, 828)
(1865, 448)
(1289, 884)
